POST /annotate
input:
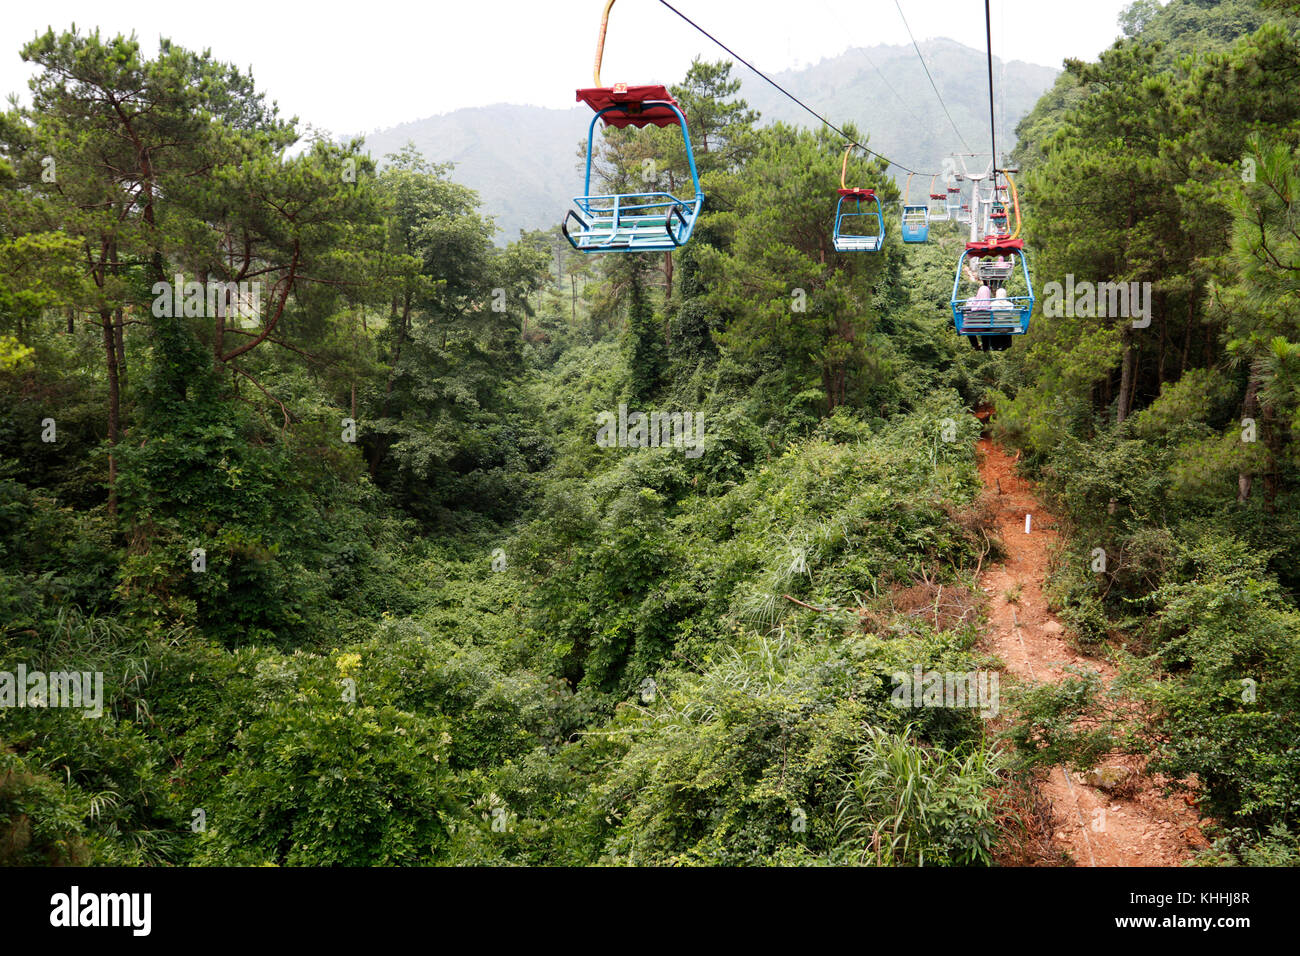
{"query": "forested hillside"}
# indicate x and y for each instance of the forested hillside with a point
(358, 515)
(1169, 439)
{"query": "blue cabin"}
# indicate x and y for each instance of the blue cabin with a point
(916, 223)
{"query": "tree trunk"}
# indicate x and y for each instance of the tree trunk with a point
(110, 362)
(218, 327)
(119, 344)
(1272, 452)
(1160, 354)
(1136, 378)
(1249, 409)
(119, 349)
(377, 453)
(1126, 379)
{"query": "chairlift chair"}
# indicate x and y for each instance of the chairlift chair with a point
(849, 212)
(916, 223)
(854, 214)
(915, 226)
(938, 203)
(631, 222)
(975, 316)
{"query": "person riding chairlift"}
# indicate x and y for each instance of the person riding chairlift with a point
(986, 299)
(998, 343)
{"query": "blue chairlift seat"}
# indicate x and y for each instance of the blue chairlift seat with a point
(916, 223)
(855, 217)
(633, 222)
(993, 316)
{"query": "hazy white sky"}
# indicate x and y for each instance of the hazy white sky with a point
(361, 65)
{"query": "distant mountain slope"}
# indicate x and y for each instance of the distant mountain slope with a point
(884, 91)
(523, 160)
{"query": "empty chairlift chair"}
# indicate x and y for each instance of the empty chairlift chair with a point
(631, 222)
(853, 217)
(954, 200)
(859, 222)
(916, 223)
(939, 211)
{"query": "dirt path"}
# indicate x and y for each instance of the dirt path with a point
(1134, 825)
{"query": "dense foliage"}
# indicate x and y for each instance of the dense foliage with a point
(1169, 440)
(365, 587)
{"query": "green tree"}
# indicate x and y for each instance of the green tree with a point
(803, 313)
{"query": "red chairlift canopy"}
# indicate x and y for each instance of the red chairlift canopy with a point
(859, 193)
(994, 246)
(633, 99)
(938, 195)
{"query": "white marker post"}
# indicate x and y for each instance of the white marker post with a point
(1027, 524)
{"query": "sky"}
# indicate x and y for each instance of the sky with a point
(362, 65)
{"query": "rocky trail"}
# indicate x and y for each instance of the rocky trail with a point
(1116, 816)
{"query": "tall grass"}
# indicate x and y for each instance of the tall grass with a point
(911, 805)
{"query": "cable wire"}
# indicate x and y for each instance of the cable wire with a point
(784, 92)
(993, 122)
(1002, 77)
(889, 85)
(883, 79)
(929, 77)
